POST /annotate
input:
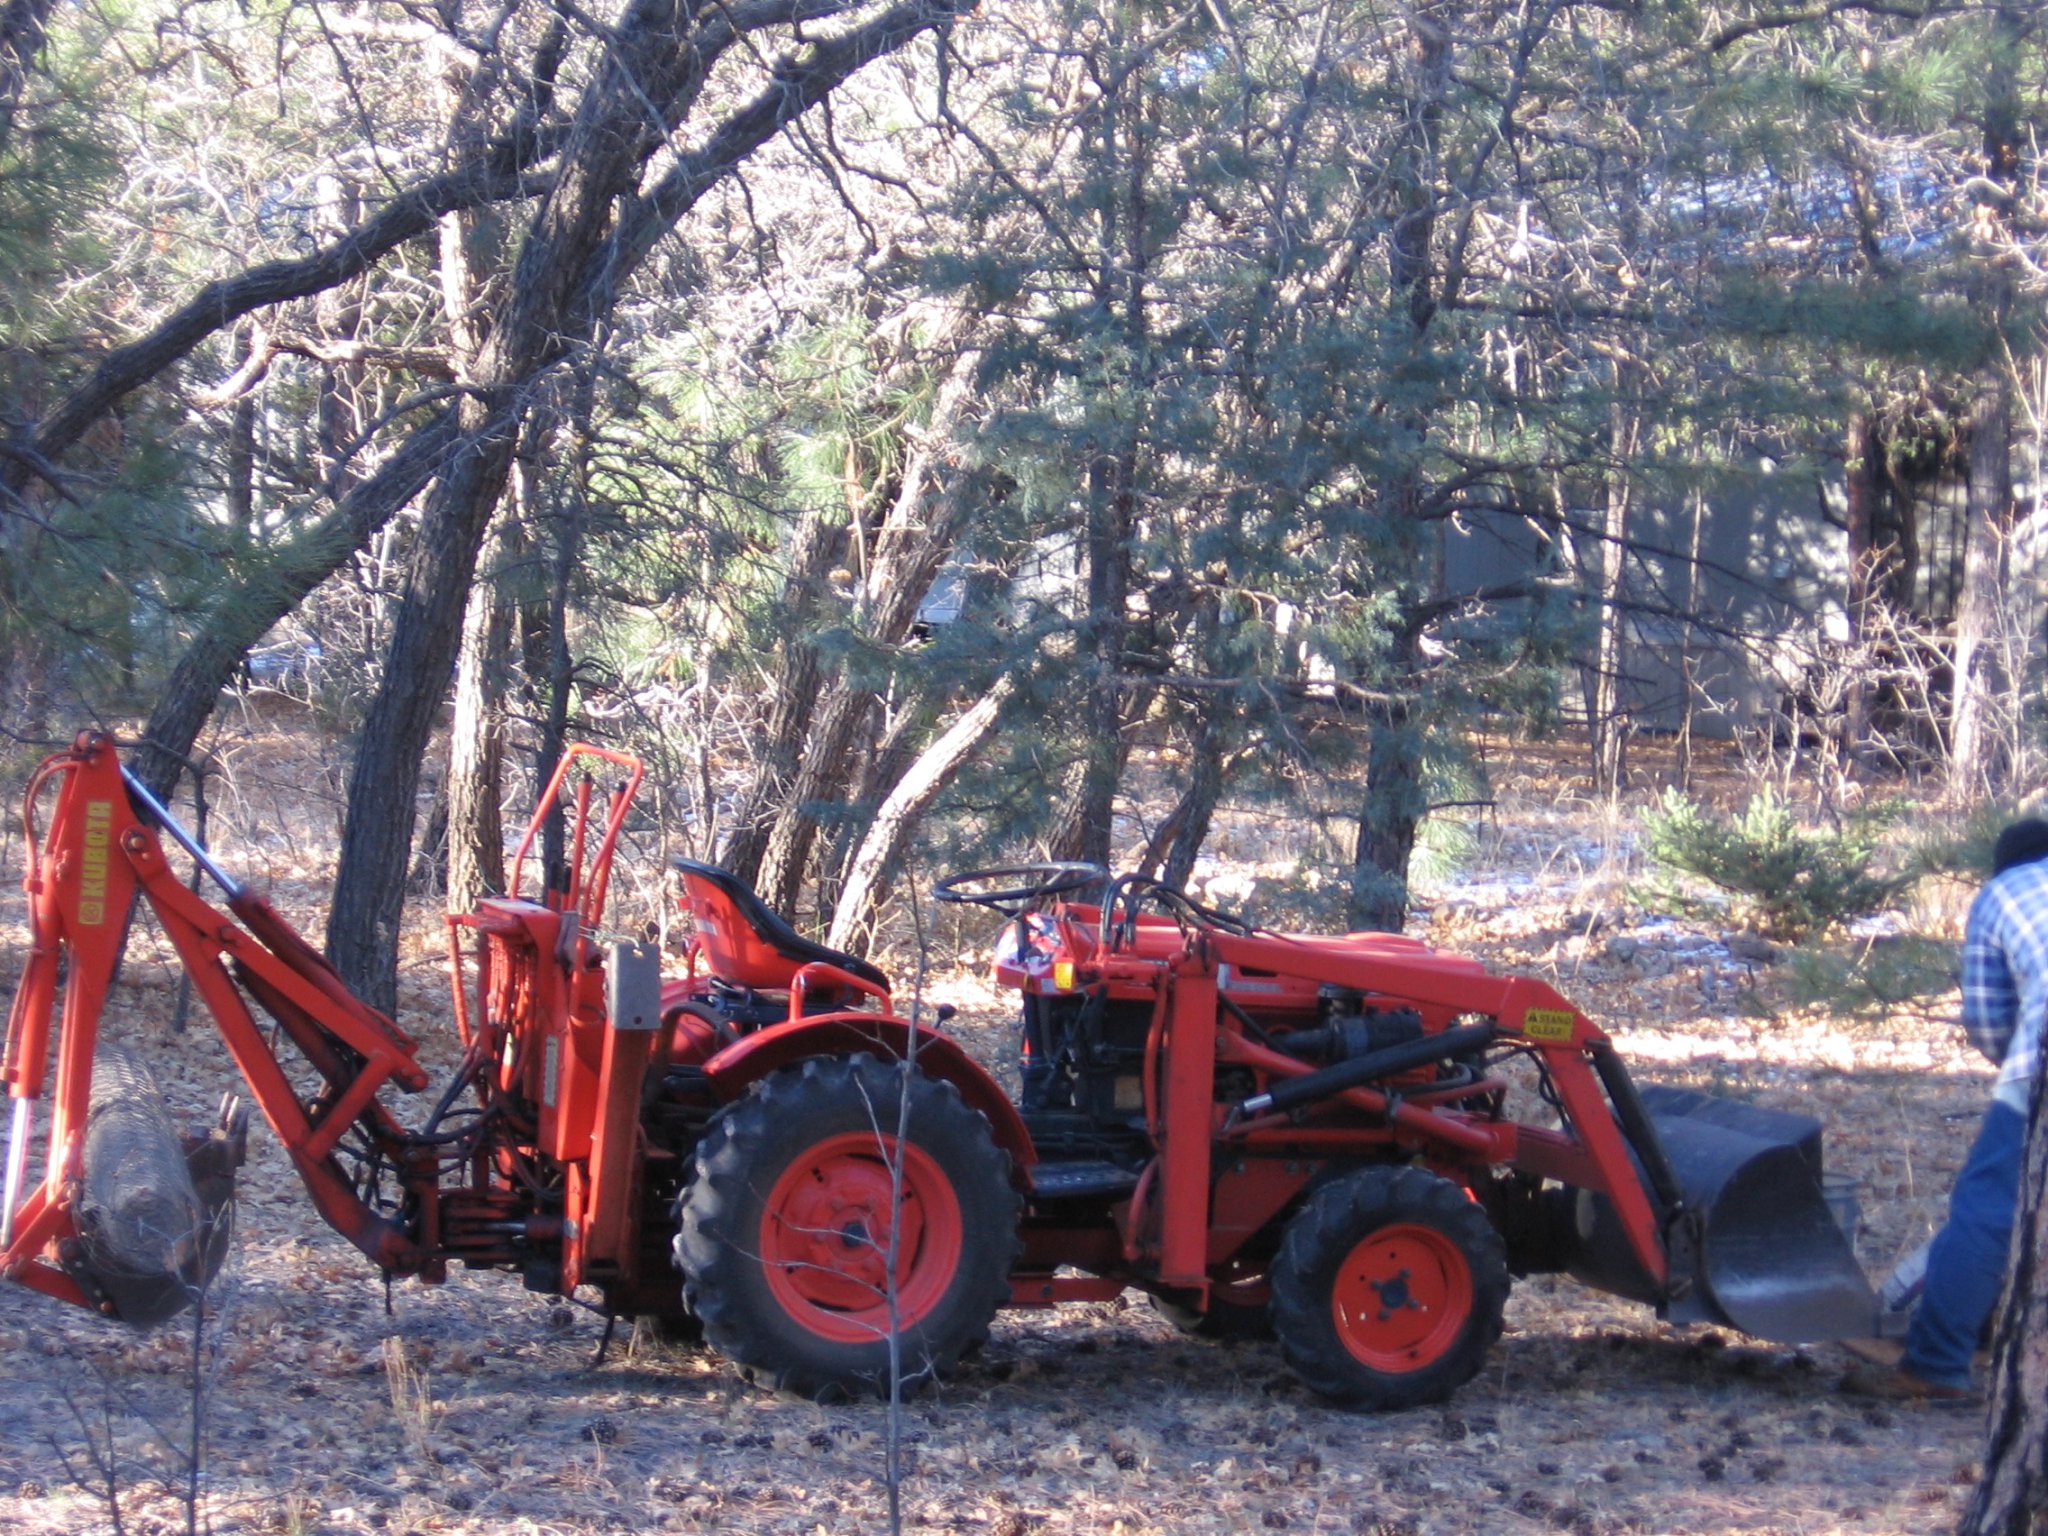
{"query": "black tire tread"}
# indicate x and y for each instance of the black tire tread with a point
(720, 1270)
(1332, 1222)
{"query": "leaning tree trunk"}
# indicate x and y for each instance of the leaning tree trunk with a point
(1197, 808)
(897, 818)
(924, 523)
(2012, 1495)
(591, 232)
(820, 779)
(240, 616)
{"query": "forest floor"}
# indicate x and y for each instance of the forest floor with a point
(481, 1410)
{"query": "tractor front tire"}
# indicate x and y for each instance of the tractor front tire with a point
(786, 1228)
(1389, 1289)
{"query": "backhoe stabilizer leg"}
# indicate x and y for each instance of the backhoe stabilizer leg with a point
(20, 1127)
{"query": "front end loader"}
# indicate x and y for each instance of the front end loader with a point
(1318, 1138)
(1315, 1138)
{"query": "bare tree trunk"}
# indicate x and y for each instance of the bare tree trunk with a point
(2012, 1495)
(1608, 722)
(1161, 842)
(887, 757)
(22, 27)
(896, 820)
(1392, 806)
(1688, 653)
(1390, 820)
(1861, 486)
(241, 454)
(923, 525)
(476, 748)
(472, 800)
(376, 845)
(570, 521)
(1086, 825)
(1978, 755)
(1122, 280)
(820, 778)
(794, 695)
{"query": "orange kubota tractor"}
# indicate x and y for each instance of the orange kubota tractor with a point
(1311, 1137)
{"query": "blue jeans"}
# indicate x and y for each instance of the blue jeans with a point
(1966, 1265)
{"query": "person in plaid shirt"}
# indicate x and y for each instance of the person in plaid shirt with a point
(2005, 998)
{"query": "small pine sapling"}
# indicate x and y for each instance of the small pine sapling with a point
(1784, 879)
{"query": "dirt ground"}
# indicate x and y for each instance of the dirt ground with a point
(481, 1410)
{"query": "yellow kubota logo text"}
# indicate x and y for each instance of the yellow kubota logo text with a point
(92, 882)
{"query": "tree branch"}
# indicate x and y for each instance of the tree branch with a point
(503, 173)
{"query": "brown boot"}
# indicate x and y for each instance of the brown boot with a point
(1882, 1352)
(1897, 1384)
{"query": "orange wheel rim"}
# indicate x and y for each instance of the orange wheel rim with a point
(1402, 1297)
(825, 1235)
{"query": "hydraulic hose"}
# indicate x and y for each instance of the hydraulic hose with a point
(1406, 1057)
(1636, 1124)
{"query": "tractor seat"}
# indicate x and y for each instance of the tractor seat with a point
(747, 943)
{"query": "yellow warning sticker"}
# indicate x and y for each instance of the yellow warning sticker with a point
(1548, 1023)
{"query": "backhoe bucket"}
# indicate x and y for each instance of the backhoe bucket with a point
(155, 1210)
(1774, 1258)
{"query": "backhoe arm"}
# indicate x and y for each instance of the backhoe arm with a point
(101, 852)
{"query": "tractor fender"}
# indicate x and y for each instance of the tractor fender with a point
(736, 1068)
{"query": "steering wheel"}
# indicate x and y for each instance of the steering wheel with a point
(1130, 892)
(1021, 885)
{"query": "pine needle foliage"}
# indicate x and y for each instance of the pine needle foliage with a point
(1870, 978)
(1783, 878)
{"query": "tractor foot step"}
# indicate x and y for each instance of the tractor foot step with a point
(1075, 1181)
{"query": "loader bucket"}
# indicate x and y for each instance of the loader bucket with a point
(1772, 1259)
(154, 1211)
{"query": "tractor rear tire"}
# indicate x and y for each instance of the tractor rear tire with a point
(1389, 1289)
(785, 1229)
